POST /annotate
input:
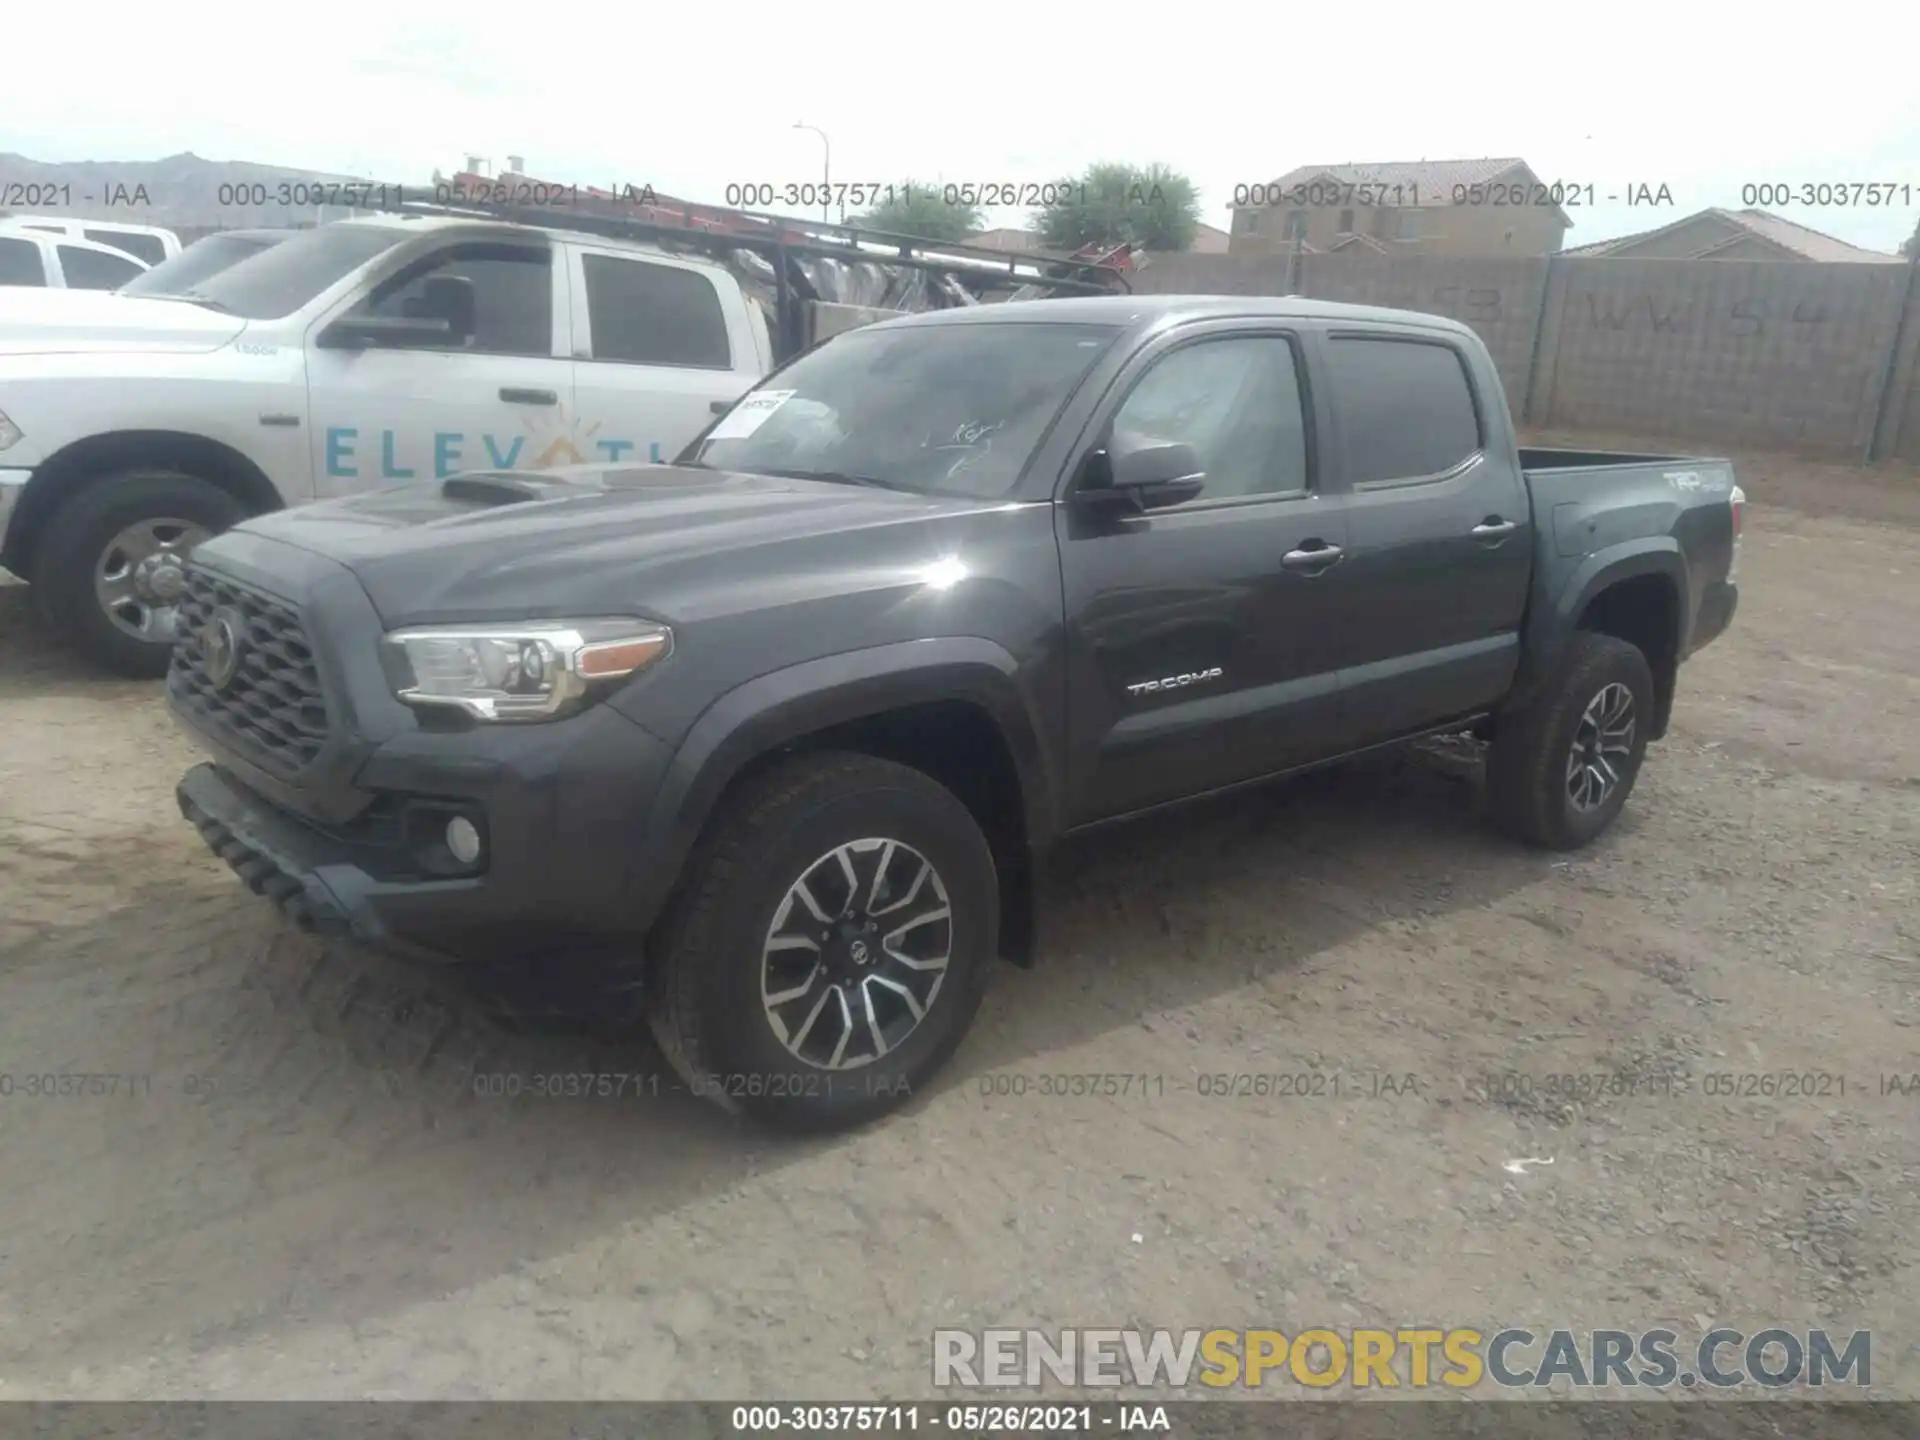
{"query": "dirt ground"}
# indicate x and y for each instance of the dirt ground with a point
(295, 1191)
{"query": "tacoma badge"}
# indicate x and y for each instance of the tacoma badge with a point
(1173, 682)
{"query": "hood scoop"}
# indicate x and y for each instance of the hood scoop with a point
(515, 489)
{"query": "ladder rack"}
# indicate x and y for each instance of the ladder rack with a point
(790, 249)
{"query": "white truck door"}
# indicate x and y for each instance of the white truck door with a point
(655, 344)
(497, 395)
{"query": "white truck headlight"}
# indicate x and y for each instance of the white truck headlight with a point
(9, 432)
(537, 670)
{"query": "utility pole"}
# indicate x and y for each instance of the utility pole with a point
(826, 166)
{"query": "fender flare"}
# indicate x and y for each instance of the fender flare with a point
(785, 705)
(1553, 624)
(89, 456)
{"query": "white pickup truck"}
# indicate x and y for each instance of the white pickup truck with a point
(361, 353)
(380, 351)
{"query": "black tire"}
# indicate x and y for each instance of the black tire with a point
(79, 531)
(704, 999)
(1528, 784)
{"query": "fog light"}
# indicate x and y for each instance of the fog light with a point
(463, 839)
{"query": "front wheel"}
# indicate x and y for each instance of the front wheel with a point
(831, 945)
(1561, 769)
(111, 564)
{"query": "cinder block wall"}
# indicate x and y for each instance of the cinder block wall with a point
(1498, 297)
(1784, 354)
(1764, 353)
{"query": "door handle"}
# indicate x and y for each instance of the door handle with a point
(1494, 528)
(528, 397)
(719, 407)
(1312, 557)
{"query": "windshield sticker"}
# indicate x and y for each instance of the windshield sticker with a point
(749, 415)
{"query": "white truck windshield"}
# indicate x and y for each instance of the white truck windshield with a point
(200, 260)
(277, 282)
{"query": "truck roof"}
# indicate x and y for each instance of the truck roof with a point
(1144, 312)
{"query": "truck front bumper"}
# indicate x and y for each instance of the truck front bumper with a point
(559, 825)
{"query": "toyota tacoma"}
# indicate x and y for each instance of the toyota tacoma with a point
(776, 734)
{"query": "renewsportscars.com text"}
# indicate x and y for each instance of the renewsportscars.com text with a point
(1417, 1358)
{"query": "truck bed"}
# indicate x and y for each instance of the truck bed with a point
(1586, 502)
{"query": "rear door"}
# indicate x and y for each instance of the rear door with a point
(1203, 638)
(501, 400)
(1441, 531)
(654, 348)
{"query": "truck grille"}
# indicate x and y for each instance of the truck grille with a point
(265, 696)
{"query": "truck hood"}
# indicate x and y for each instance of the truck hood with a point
(605, 540)
(54, 322)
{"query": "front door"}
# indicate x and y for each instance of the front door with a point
(1203, 637)
(497, 397)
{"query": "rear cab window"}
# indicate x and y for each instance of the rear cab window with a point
(149, 248)
(643, 313)
(95, 269)
(20, 262)
(1407, 409)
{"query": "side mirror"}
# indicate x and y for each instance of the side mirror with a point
(359, 332)
(1141, 472)
(450, 298)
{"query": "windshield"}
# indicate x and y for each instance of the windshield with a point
(953, 409)
(275, 283)
(186, 270)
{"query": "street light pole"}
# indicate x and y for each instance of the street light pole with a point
(826, 166)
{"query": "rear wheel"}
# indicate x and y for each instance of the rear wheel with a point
(111, 564)
(1561, 769)
(831, 946)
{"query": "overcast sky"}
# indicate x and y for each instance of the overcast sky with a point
(691, 97)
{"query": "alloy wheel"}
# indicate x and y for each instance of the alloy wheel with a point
(1602, 746)
(856, 954)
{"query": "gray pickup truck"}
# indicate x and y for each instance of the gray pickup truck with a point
(774, 735)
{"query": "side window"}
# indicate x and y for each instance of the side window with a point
(654, 315)
(20, 263)
(146, 247)
(95, 269)
(499, 298)
(1406, 409)
(1237, 403)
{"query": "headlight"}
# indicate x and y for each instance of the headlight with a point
(9, 432)
(520, 672)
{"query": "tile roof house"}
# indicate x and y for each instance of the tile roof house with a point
(1493, 206)
(1716, 234)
